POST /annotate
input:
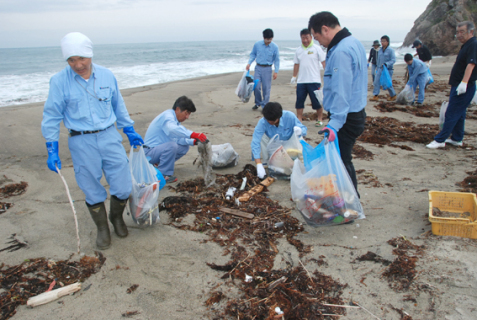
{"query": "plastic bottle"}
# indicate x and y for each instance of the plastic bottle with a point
(230, 193)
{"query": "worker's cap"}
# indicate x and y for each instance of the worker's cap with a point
(376, 43)
(416, 43)
(76, 44)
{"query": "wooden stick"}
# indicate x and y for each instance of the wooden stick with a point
(275, 283)
(237, 213)
(309, 276)
(49, 296)
(257, 189)
(339, 306)
(366, 310)
(72, 207)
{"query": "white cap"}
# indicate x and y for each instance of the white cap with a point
(76, 44)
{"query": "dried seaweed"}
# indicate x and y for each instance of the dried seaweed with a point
(367, 177)
(469, 184)
(15, 244)
(371, 256)
(360, 152)
(425, 110)
(34, 276)
(13, 189)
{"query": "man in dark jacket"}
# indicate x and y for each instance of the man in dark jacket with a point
(423, 52)
(373, 57)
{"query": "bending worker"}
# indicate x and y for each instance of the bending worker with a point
(274, 121)
(418, 76)
(167, 140)
(85, 96)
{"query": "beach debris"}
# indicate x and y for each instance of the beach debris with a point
(371, 256)
(230, 193)
(256, 189)
(359, 152)
(205, 162)
(13, 189)
(72, 208)
(215, 298)
(237, 213)
(132, 288)
(128, 314)
(367, 177)
(244, 183)
(424, 110)
(15, 244)
(33, 277)
(4, 206)
(447, 214)
(469, 184)
(53, 295)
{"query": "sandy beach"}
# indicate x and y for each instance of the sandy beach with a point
(169, 265)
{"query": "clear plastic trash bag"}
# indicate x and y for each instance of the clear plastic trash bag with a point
(406, 96)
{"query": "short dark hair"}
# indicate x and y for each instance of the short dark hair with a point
(267, 33)
(304, 32)
(272, 111)
(184, 103)
(408, 57)
(387, 38)
(323, 18)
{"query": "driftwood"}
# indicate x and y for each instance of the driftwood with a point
(236, 212)
(49, 296)
(257, 189)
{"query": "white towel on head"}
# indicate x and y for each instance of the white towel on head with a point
(76, 44)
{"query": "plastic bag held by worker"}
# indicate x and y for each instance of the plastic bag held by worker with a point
(145, 189)
(385, 80)
(442, 114)
(282, 153)
(430, 78)
(224, 156)
(406, 96)
(245, 87)
(325, 195)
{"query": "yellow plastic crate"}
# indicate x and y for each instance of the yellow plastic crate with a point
(456, 202)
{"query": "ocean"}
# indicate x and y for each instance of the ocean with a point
(25, 72)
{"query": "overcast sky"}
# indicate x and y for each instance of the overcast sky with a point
(38, 23)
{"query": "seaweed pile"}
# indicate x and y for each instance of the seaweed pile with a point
(13, 189)
(252, 247)
(34, 276)
(469, 184)
(425, 110)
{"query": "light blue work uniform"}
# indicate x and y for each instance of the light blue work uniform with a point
(166, 141)
(265, 56)
(284, 130)
(345, 81)
(387, 57)
(75, 101)
(418, 75)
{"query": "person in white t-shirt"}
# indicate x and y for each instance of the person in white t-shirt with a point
(309, 59)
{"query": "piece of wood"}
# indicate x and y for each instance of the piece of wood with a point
(49, 296)
(275, 283)
(237, 213)
(256, 189)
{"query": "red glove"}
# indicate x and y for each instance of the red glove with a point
(329, 132)
(199, 136)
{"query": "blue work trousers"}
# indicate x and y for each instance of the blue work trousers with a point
(165, 155)
(95, 153)
(304, 89)
(264, 75)
(455, 115)
(373, 70)
(377, 85)
(421, 81)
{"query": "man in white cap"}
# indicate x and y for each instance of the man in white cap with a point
(86, 98)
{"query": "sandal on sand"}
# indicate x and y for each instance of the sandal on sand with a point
(319, 123)
(170, 179)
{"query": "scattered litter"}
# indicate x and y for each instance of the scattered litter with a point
(132, 288)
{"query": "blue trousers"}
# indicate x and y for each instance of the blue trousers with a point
(377, 86)
(304, 89)
(264, 75)
(165, 155)
(455, 115)
(420, 81)
(373, 70)
(95, 153)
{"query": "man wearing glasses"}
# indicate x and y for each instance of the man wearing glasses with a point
(462, 81)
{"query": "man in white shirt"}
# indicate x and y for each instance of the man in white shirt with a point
(309, 59)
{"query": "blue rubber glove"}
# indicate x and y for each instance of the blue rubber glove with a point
(367, 66)
(134, 138)
(53, 158)
(329, 132)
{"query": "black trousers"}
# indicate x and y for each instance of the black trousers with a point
(351, 130)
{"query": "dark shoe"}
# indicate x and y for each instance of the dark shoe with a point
(116, 216)
(98, 213)
(170, 179)
(255, 107)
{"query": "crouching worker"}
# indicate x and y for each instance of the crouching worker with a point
(274, 121)
(85, 96)
(418, 76)
(167, 140)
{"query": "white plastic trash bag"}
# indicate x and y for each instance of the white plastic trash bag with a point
(319, 95)
(442, 114)
(145, 189)
(245, 87)
(282, 153)
(224, 156)
(406, 96)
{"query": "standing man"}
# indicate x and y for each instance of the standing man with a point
(85, 96)
(309, 58)
(373, 57)
(386, 59)
(418, 76)
(167, 140)
(462, 81)
(423, 52)
(345, 84)
(265, 53)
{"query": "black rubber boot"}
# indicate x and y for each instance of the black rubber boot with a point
(98, 213)
(116, 216)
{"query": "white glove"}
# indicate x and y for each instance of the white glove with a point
(297, 130)
(260, 171)
(461, 88)
(293, 80)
